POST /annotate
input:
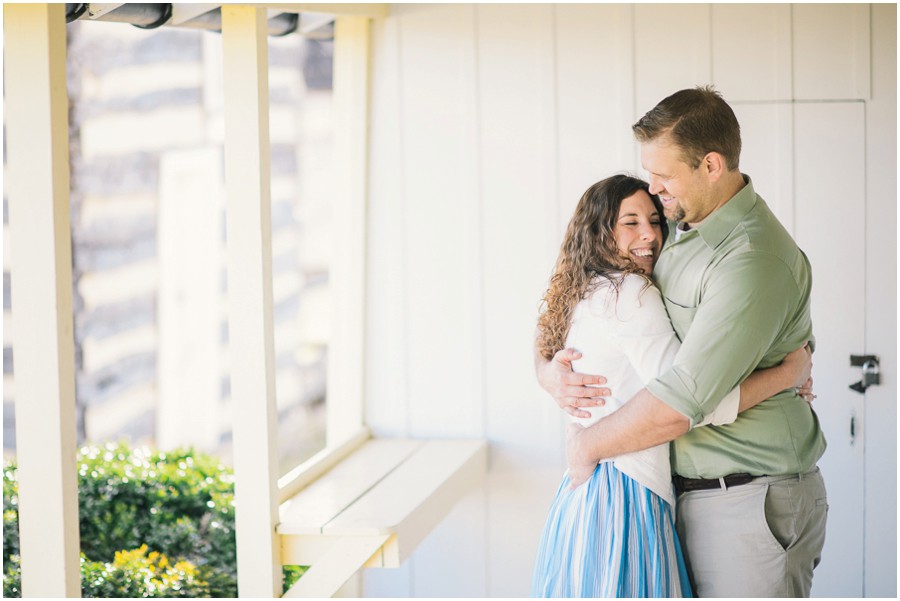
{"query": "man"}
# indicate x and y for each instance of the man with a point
(752, 505)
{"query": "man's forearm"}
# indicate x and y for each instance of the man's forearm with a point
(643, 422)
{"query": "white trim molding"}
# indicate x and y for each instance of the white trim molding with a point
(41, 266)
(250, 329)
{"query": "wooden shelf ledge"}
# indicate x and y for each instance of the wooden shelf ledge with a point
(374, 507)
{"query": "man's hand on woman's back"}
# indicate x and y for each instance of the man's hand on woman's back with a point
(569, 389)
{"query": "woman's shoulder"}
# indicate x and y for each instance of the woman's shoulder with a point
(623, 295)
(628, 286)
(635, 283)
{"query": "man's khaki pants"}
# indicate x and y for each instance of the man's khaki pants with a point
(760, 539)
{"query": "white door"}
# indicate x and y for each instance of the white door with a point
(830, 220)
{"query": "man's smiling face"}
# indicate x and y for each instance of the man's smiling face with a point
(684, 191)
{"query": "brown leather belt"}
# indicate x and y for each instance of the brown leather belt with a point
(691, 484)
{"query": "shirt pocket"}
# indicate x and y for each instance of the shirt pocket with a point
(681, 316)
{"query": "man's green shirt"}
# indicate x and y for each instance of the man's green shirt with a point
(737, 291)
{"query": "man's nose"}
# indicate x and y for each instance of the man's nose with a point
(655, 186)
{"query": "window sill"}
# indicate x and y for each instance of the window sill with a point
(374, 506)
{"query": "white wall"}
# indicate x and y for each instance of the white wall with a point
(488, 123)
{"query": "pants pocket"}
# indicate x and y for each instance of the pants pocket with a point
(778, 516)
(772, 539)
(793, 508)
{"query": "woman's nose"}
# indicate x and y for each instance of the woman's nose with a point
(648, 233)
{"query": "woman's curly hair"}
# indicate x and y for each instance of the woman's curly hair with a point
(588, 252)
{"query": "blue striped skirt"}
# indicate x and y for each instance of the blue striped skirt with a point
(610, 537)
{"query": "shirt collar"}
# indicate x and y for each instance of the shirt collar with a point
(717, 226)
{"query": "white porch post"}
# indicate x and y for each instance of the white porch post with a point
(251, 339)
(38, 159)
(346, 351)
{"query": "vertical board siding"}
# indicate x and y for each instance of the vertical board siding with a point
(831, 51)
(881, 304)
(394, 582)
(444, 281)
(387, 409)
(518, 182)
(751, 51)
(440, 167)
(518, 145)
(672, 50)
(767, 144)
(595, 107)
(424, 374)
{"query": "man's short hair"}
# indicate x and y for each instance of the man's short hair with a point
(699, 121)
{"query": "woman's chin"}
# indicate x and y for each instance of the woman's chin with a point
(646, 267)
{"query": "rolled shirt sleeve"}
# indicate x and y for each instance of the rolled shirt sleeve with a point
(726, 411)
(741, 311)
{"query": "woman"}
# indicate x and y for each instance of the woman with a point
(614, 536)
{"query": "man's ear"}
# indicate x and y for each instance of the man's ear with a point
(715, 166)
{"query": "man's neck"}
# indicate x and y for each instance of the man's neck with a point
(732, 183)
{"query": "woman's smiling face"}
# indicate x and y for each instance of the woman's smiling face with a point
(638, 231)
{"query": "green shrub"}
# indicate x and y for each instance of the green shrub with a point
(291, 574)
(10, 514)
(134, 573)
(139, 508)
(12, 576)
(138, 573)
(179, 503)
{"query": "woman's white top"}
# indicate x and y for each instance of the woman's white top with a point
(629, 339)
